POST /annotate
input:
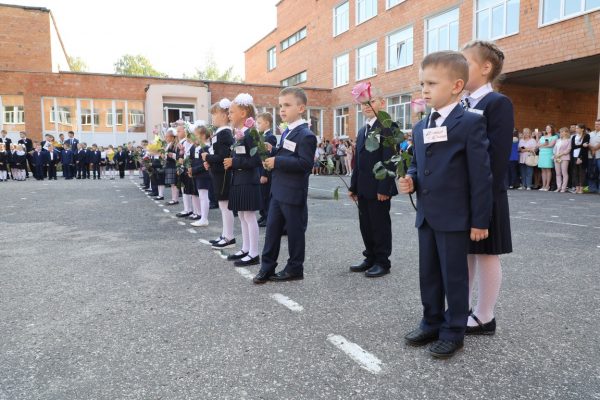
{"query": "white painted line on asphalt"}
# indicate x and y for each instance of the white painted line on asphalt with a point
(204, 241)
(220, 254)
(347, 204)
(554, 216)
(287, 302)
(571, 199)
(191, 230)
(118, 190)
(161, 205)
(598, 247)
(181, 223)
(23, 198)
(172, 216)
(551, 222)
(165, 210)
(398, 213)
(157, 202)
(121, 196)
(124, 202)
(532, 202)
(245, 273)
(365, 359)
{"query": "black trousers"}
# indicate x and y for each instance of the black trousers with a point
(122, 171)
(146, 177)
(52, 171)
(444, 277)
(81, 170)
(265, 191)
(376, 230)
(95, 169)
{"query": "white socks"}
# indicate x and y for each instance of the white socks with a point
(195, 204)
(3, 175)
(227, 217)
(204, 204)
(187, 203)
(174, 193)
(488, 271)
(161, 190)
(249, 232)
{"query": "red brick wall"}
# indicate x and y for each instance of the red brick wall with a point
(24, 40)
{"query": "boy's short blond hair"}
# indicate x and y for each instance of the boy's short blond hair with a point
(453, 61)
(297, 92)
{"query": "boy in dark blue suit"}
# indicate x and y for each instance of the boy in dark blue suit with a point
(264, 124)
(450, 171)
(373, 196)
(291, 166)
(74, 145)
(39, 160)
(68, 161)
(94, 157)
(81, 162)
(53, 160)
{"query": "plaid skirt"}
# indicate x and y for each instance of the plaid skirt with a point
(170, 176)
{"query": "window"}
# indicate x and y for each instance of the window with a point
(341, 70)
(392, 3)
(294, 80)
(400, 49)
(496, 18)
(442, 32)
(295, 38)
(271, 58)
(110, 117)
(315, 116)
(366, 61)
(399, 109)
(341, 122)
(365, 9)
(62, 115)
(556, 10)
(136, 117)
(360, 118)
(87, 117)
(341, 18)
(14, 115)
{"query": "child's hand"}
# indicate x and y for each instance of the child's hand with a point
(204, 156)
(206, 166)
(406, 185)
(269, 163)
(264, 180)
(352, 195)
(269, 147)
(227, 163)
(479, 234)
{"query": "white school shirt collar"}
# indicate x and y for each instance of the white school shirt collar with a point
(479, 94)
(222, 129)
(444, 112)
(296, 124)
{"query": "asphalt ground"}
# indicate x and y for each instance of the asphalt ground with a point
(105, 295)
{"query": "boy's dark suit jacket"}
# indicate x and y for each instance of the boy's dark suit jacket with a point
(289, 179)
(94, 156)
(363, 182)
(67, 157)
(40, 159)
(453, 179)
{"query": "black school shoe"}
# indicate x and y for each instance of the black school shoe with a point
(420, 337)
(445, 348)
(183, 214)
(487, 329)
(246, 263)
(216, 240)
(224, 244)
(234, 257)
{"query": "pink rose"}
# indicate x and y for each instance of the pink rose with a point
(361, 93)
(239, 134)
(418, 106)
(249, 122)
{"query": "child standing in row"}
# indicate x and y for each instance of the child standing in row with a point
(200, 174)
(4, 161)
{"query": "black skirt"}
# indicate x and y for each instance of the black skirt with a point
(221, 184)
(159, 175)
(499, 240)
(244, 198)
(187, 184)
(170, 176)
(202, 182)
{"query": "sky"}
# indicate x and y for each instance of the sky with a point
(176, 36)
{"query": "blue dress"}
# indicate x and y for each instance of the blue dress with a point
(546, 156)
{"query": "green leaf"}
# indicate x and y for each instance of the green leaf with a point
(253, 151)
(372, 144)
(382, 116)
(336, 193)
(380, 171)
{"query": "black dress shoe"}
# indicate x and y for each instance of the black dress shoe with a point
(233, 257)
(284, 276)
(194, 217)
(262, 277)
(224, 244)
(419, 337)
(362, 267)
(376, 271)
(262, 224)
(261, 220)
(183, 214)
(172, 203)
(445, 348)
(246, 263)
(215, 240)
(488, 328)
(159, 198)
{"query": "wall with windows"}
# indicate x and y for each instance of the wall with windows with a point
(12, 116)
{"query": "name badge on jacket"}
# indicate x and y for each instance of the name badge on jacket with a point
(240, 149)
(476, 111)
(435, 135)
(214, 139)
(289, 145)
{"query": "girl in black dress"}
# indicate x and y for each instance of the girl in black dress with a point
(4, 161)
(201, 176)
(171, 166)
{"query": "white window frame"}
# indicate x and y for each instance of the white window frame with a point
(341, 118)
(110, 114)
(17, 115)
(427, 30)
(388, 3)
(337, 18)
(359, 116)
(319, 111)
(489, 9)
(336, 68)
(272, 58)
(358, 5)
(296, 37)
(136, 117)
(301, 78)
(358, 59)
(406, 41)
(562, 17)
(60, 115)
(89, 116)
(401, 104)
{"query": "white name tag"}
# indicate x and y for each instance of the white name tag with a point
(240, 149)
(211, 150)
(435, 135)
(289, 145)
(476, 111)
(214, 140)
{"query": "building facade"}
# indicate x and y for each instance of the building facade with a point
(552, 49)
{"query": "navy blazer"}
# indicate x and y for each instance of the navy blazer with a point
(41, 158)
(56, 157)
(289, 178)
(82, 156)
(221, 149)
(197, 164)
(120, 157)
(272, 140)
(363, 182)
(498, 111)
(27, 143)
(93, 157)
(7, 142)
(453, 179)
(245, 166)
(67, 157)
(73, 143)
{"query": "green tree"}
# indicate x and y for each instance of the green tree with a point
(212, 72)
(136, 65)
(77, 64)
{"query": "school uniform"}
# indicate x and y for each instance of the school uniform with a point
(94, 160)
(146, 179)
(73, 143)
(288, 206)
(171, 165)
(80, 163)
(499, 114)
(187, 182)
(120, 159)
(19, 161)
(453, 182)
(157, 177)
(131, 163)
(39, 160)
(53, 159)
(221, 149)
(68, 161)
(244, 194)
(28, 146)
(265, 188)
(7, 142)
(200, 175)
(374, 215)
(4, 164)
